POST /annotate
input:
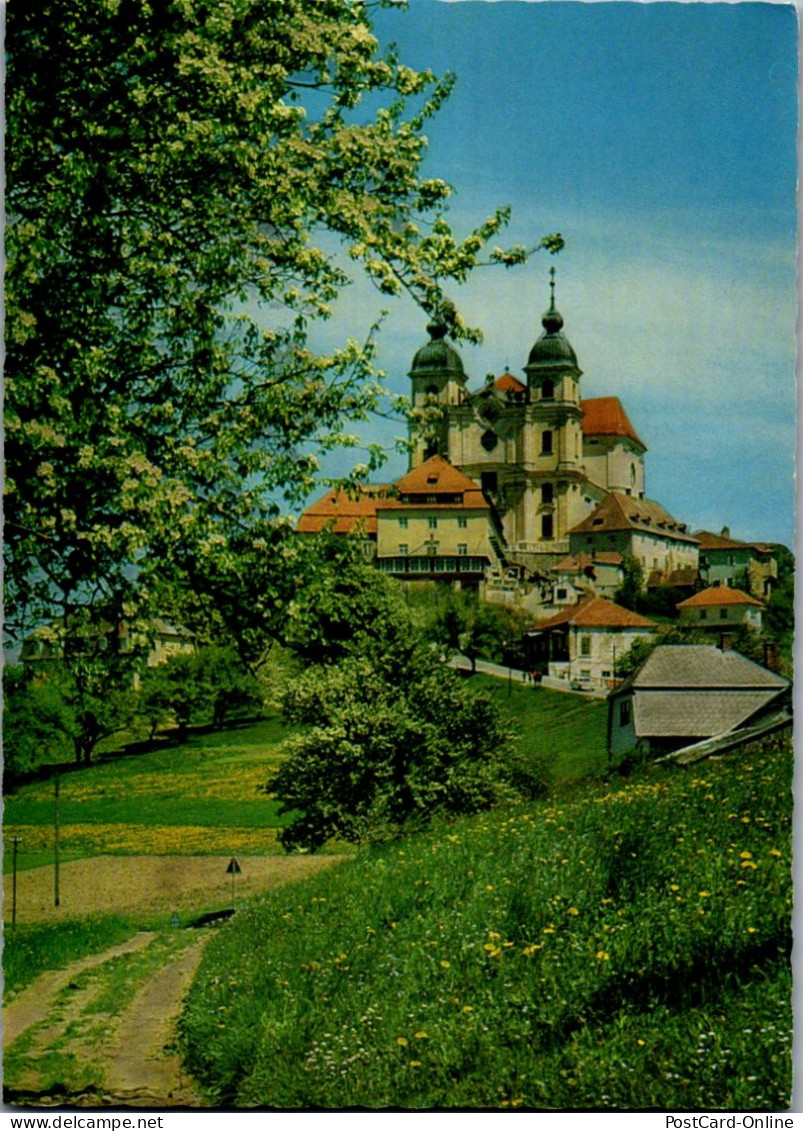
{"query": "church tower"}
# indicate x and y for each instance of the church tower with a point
(439, 383)
(554, 442)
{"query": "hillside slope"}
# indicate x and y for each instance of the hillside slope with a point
(625, 948)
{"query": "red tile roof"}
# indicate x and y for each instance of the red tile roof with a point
(436, 476)
(508, 383)
(573, 564)
(605, 416)
(709, 541)
(597, 612)
(717, 596)
(621, 512)
(341, 512)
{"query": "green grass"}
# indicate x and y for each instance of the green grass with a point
(625, 945)
(213, 781)
(31, 949)
(563, 733)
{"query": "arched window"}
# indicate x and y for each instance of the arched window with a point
(546, 527)
(547, 493)
(632, 474)
(546, 442)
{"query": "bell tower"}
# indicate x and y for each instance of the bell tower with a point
(439, 383)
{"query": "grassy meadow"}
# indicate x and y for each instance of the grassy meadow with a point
(206, 796)
(624, 946)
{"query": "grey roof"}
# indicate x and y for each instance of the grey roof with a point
(695, 714)
(437, 356)
(702, 666)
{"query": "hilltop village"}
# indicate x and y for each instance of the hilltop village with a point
(534, 497)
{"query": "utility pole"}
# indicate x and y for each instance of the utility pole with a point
(15, 841)
(56, 845)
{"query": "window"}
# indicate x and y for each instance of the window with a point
(547, 493)
(561, 594)
(546, 442)
(432, 390)
(624, 712)
(548, 390)
(546, 527)
(723, 613)
(462, 521)
(432, 549)
(462, 549)
(403, 548)
(585, 645)
(403, 521)
(432, 523)
(703, 614)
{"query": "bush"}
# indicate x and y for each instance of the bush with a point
(394, 737)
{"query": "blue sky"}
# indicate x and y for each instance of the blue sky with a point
(660, 140)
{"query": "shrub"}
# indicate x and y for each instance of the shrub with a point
(393, 737)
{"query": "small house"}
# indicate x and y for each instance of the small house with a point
(720, 607)
(684, 693)
(580, 645)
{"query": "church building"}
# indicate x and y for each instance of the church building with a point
(544, 456)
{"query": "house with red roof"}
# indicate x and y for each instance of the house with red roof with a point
(349, 512)
(579, 646)
(751, 566)
(432, 524)
(720, 608)
(580, 575)
(641, 527)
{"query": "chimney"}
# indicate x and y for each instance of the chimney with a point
(726, 532)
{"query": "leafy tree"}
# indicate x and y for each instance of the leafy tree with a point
(632, 586)
(391, 740)
(80, 704)
(475, 628)
(779, 616)
(175, 173)
(38, 722)
(343, 607)
(210, 684)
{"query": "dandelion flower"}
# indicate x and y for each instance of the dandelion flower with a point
(445, 964)
(402, 1041)
(421, 1035)
(415, 1063)
(573, 911)
(602, 955)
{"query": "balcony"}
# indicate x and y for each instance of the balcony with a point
(552, 546)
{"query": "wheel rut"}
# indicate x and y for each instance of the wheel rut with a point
(133, 1063)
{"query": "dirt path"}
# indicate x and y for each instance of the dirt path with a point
(134, 1065)
(101, 1032)
(34, 1003)
(144, 1070)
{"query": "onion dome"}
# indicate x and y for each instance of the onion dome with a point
(552, 350)
(437, 356)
